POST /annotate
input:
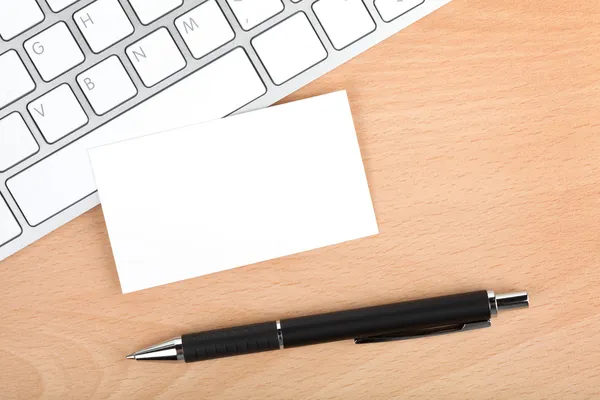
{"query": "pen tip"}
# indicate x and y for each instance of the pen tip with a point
(131, 357)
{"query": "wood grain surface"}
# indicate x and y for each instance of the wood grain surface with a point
(480, 133)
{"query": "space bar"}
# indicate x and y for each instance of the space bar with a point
(65, 177)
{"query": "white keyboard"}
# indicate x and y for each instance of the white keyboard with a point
(76, 74)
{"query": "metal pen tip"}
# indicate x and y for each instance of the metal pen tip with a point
(131, 357)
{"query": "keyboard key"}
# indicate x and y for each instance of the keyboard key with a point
(9, 227)
(57, 5)
(392, 9)
(15, 81)
(289, 48)
(106, 85)
(66, 177)
(155, 57)
(151, 10)
(54, 51)
(250, 13)
(57, 113)
(204, 28)
(103, 23)
(16, 142)
(344, 21)
(17, 16)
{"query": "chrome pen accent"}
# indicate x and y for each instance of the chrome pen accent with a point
(279, 334)
(511, 301)
(169, 350)
(493, 304)
(507, 301)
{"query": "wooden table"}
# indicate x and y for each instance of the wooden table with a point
(479, 127)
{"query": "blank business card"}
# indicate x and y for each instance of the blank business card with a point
(233, 192)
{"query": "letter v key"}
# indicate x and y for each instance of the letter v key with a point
(57, 113)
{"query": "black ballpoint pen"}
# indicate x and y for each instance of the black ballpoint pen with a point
(409, 319)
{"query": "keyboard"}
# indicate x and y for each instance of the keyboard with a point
(77, 74)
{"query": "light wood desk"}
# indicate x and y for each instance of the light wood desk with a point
(480, 131)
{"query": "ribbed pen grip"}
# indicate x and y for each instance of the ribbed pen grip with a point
(230, 342)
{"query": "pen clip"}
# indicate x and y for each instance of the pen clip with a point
(423, 332)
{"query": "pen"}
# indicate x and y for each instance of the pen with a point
(409, 319)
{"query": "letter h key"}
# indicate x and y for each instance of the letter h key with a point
(103, 23)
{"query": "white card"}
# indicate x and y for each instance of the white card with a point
(232, 192)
